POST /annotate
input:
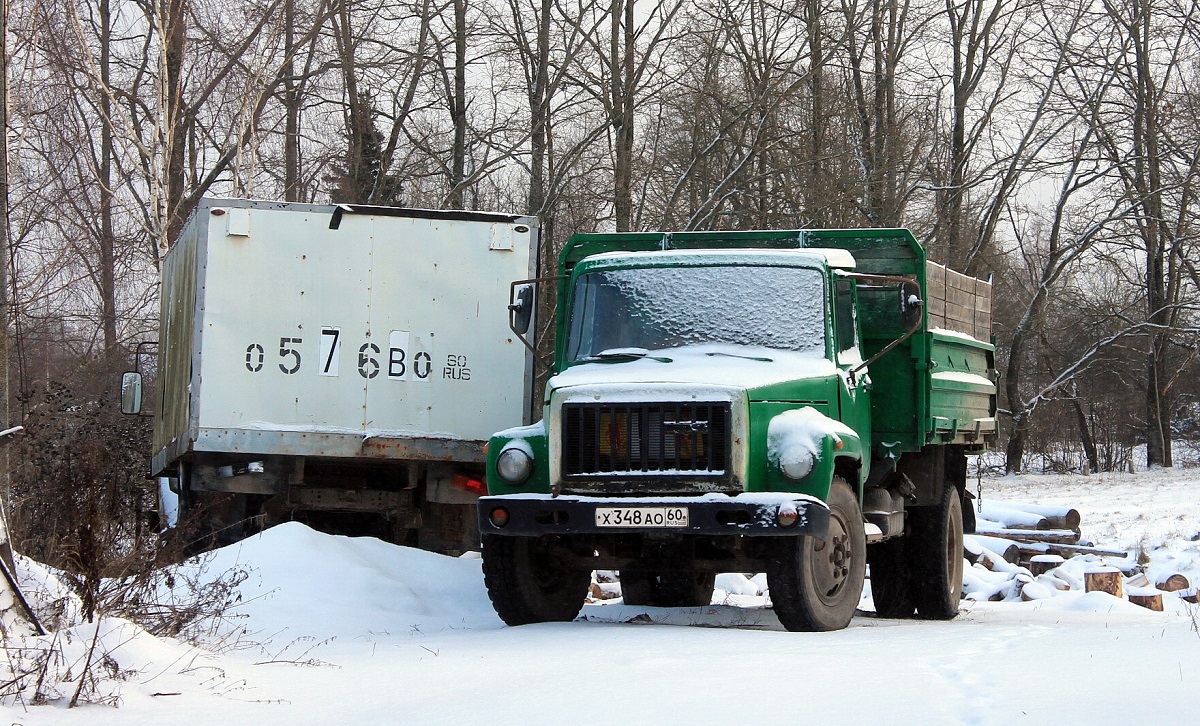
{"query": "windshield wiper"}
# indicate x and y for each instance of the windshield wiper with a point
(617, 355)
(744, 357)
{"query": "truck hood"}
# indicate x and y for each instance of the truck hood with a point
(725, 365)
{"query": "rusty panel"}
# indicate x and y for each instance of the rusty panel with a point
(353, 500)
(176, 330)
(337, 445)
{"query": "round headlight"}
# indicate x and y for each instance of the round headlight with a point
(797, 467)
(514, 465)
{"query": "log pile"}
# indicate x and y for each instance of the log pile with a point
(1032, 552)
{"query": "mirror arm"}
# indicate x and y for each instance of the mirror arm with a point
(911, 331)
(512, 310)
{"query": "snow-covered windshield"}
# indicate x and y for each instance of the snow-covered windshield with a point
(653, 308)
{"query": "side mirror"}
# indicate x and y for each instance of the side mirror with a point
(910, 304)
(131, 393)
(521, 309)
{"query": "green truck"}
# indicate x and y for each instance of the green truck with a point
(799, 403)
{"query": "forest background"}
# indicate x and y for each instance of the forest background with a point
(1051, 146)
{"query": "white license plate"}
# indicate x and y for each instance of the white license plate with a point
(641, 516)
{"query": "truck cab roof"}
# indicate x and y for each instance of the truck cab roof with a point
(809, 256)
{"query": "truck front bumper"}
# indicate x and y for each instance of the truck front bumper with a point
(752, 514)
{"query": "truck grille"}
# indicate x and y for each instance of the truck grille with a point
(659, 439)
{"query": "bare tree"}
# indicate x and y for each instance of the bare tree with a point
(983, 40)
(628, 61)
(880, 36)
(545, 39)
(1151, 40)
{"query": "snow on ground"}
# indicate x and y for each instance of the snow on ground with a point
(351, 630)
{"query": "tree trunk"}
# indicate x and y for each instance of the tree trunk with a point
(621, 49)
(291, 105)
(949, 223)
(175, 122)
(1085, 436)
(539, 111)
(107, 281)
(458, 109)
(816, 193)
(1014, 451)
(5, 252)
(1148, 182)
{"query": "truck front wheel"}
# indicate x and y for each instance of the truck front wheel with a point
(935, 556)
(667, 589)
(815, 585)
(529, 579)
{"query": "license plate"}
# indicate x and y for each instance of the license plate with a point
(641, 516)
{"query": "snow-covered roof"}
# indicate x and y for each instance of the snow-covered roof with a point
(807, 256)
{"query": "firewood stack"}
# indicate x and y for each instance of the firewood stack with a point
(1032, 552)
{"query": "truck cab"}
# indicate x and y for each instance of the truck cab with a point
(713, 408)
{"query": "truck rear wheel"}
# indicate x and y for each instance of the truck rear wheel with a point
(890, 589)
(529, 581)
(667, 589)
(935, 557)
(816, 585)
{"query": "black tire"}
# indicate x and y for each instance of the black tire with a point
(968, 513)
(528, 580)
(217, 519)
(667, 589)
(935, 557)
(816, 585)
(890, 589)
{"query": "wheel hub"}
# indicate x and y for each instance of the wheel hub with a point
(839, 554)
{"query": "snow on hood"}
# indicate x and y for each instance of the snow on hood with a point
(794, 437)
(728, 365)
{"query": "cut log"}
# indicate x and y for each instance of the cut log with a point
(1029, 549)
(1041, 564)
(1138, 579)
(1150, 601)
(1056, 536)
(1007, 516)
(991, 560)
(1173, 583)
(1104, 579)
(1073, 581)
(1053, 581)
(972, 550)
(1038, 516)
(1035, 591)
(1058, 517)
(1002, 547)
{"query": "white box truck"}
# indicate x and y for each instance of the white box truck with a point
(342, 365)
